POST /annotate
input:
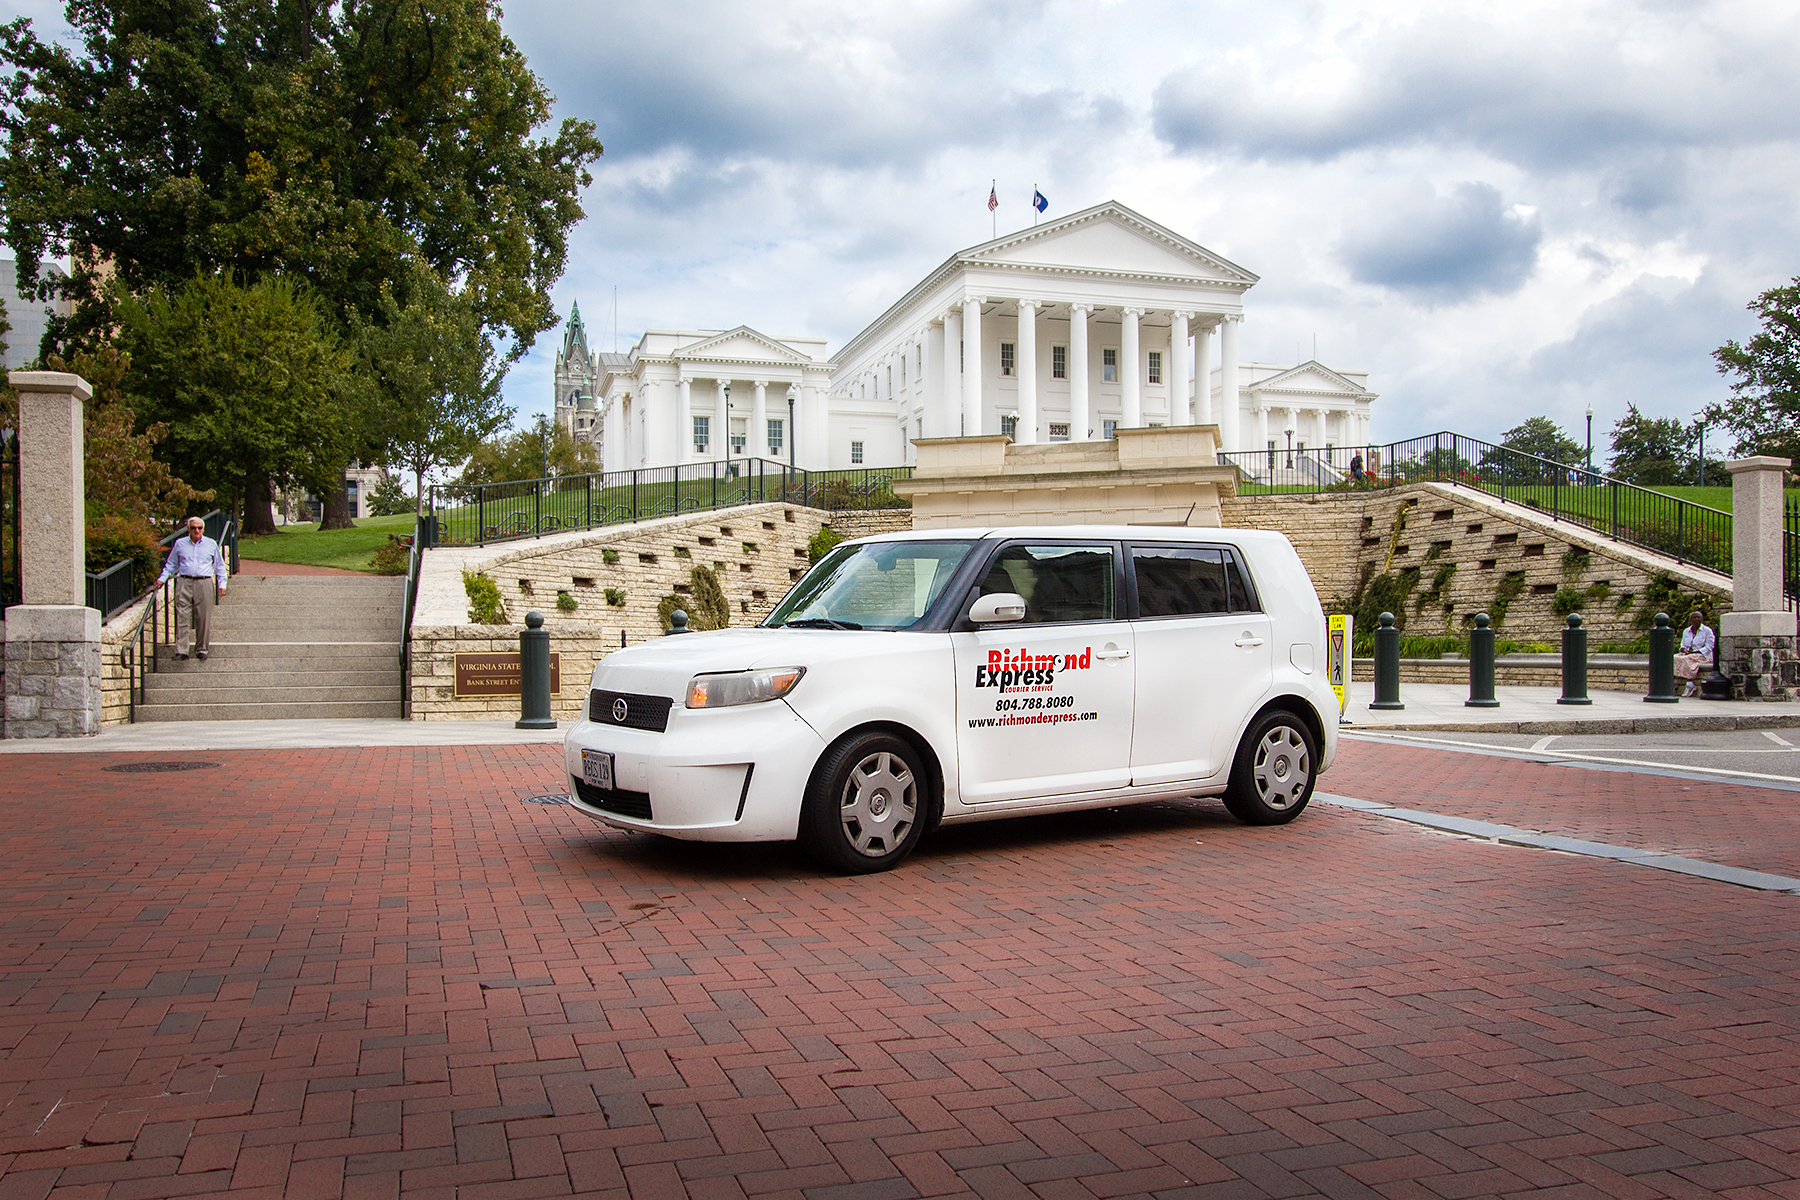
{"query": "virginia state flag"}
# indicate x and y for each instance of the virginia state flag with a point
(1038, 202)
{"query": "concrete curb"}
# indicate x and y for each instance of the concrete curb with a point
(1594, 725)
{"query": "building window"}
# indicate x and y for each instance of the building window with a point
(856, 453)
(702, 434)
(1009, 427)
(890, 381)
(774, 436)
(1058, 433)
(1006, 358)
(919, 359)
(1059, 362)
(1156, 366)
(1109, 429)
(738, 441)
(1271, 454)
(1109, 367)
(903, 372)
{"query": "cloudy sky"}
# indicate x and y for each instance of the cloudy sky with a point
(1499, 210)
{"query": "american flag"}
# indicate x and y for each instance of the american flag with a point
(993, 196)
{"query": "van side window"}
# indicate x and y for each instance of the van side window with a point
(1243, 596)
(1059, 583)
(1175, 581)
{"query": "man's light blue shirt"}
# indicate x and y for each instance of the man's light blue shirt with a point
(202, 558)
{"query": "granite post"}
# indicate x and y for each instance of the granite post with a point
(1758, 642)
(52, 637)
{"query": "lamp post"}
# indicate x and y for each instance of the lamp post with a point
(790, 428)
(1590, 448)
(727, 430)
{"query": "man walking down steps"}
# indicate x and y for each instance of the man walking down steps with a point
(196, 564)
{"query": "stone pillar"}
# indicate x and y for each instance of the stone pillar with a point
(758, 441)
(1025, 365)
(1181, 403)
(1078, 373)
(1131, 393)
(972, 406)
(52, 637)
(1203, 404)
(1228, 384)
(952, 419)
(1758, 651)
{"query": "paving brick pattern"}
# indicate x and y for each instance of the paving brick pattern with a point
(375, 973)
(1717, 822)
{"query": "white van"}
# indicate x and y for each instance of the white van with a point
(917, 679)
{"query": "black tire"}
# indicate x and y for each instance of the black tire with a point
(1276, 767)
(866, 805)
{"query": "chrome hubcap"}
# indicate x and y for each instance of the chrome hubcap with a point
(1282, 768)
(880, 804)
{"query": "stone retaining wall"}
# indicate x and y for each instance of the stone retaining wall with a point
(1603, 675)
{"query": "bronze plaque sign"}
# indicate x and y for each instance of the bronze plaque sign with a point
(481, 675)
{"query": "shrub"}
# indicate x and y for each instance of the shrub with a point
(485, 605)
(706, 607)
(615, 597)
(1568, 600)
(683, 552)
(1599, 590)
(822, 543)
(609, 557)
(112, 539)
(566, 602)
(393, 557)
(1512, 586)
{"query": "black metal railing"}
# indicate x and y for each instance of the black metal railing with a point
(1790, 551)
(475, 514)
(9, 518)
(156, 625)
(409, 600)
(1624, 512)
(111, 591)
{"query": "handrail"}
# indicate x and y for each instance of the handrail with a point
(138, 655)
(410, 597)
(1625, 512)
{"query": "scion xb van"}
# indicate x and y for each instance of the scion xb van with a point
(918, 679)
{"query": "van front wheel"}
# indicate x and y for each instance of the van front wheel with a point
(1273, 775)
(865, 806)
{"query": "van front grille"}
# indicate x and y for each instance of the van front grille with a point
(614, 800)
(630, 710)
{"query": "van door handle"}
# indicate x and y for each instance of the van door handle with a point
(1248, 639)
(1112, 652)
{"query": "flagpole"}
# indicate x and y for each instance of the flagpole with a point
(1034, 207)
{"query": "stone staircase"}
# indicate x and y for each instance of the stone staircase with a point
(289, 647)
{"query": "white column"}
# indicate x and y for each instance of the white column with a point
(1228, 384)
(1324, 434)
(684, 421)
(1181, 402)
(1262, 433)
(1203, 404)
(972, 398)
(1025, 364)
(720, 439)
(932, 372)
(952, 417)
(818, 419)
(1078, 372)
(1131, 396)
(758, 442)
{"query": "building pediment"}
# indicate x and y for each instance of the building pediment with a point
(1110, 239)
(740, 345)
(1311, 378)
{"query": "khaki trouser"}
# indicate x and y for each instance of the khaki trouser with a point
(193, 613)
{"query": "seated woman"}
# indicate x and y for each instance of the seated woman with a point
(1696, 653)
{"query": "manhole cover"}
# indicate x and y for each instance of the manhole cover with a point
(545, 798)
(151, 768)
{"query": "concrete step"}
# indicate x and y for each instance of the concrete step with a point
(315, 655)
(316, 582)
(191, 682)
(159, 692)
(253, 628)
(283, 711)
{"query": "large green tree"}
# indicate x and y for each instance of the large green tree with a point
(347, 145)
(541, 450)
(1652, 451)
(1517, 458)
(1763, 413)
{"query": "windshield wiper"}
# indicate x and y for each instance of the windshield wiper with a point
(819, 623)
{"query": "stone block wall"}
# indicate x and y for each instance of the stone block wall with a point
(1761, 668)
(52, 668)
(1448, 553)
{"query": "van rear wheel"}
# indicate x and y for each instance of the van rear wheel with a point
(1273, 775)
(865, 806)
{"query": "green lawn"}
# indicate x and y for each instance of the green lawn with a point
(346, 548)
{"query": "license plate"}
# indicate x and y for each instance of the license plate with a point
(597, 768)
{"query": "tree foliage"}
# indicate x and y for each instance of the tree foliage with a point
(1763, 413)
(1651, 451)
(541, 450)
(1538, 438)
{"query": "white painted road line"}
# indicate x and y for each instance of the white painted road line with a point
(1509, 835)
(1575, 756)
(1776, 738)
(1544, 742)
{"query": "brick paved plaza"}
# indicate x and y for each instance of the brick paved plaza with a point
(376, 972)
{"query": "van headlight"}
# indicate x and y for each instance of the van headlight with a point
(742, 687)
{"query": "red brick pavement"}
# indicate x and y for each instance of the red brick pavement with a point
(373, 972)
(1717, 822)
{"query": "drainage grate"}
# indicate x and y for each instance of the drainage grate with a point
(545, 798)
(151, 768)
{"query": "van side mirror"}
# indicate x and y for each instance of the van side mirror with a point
(998, 607)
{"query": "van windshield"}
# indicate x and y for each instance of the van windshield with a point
(872, 585)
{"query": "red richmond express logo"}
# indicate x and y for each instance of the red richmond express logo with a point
(1022, 668)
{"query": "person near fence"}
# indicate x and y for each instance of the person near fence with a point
(1696, 653)
(1356, 468)
(196, 566)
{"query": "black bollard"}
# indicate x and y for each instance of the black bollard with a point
(1387, 664)
(1574, 663)
(1662, 663)
(678, 623)
(1481, 665)
(534, 675)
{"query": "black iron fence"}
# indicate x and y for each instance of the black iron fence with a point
(9, 518)
(475, 514)
(1790, 551)
(1624, 512)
